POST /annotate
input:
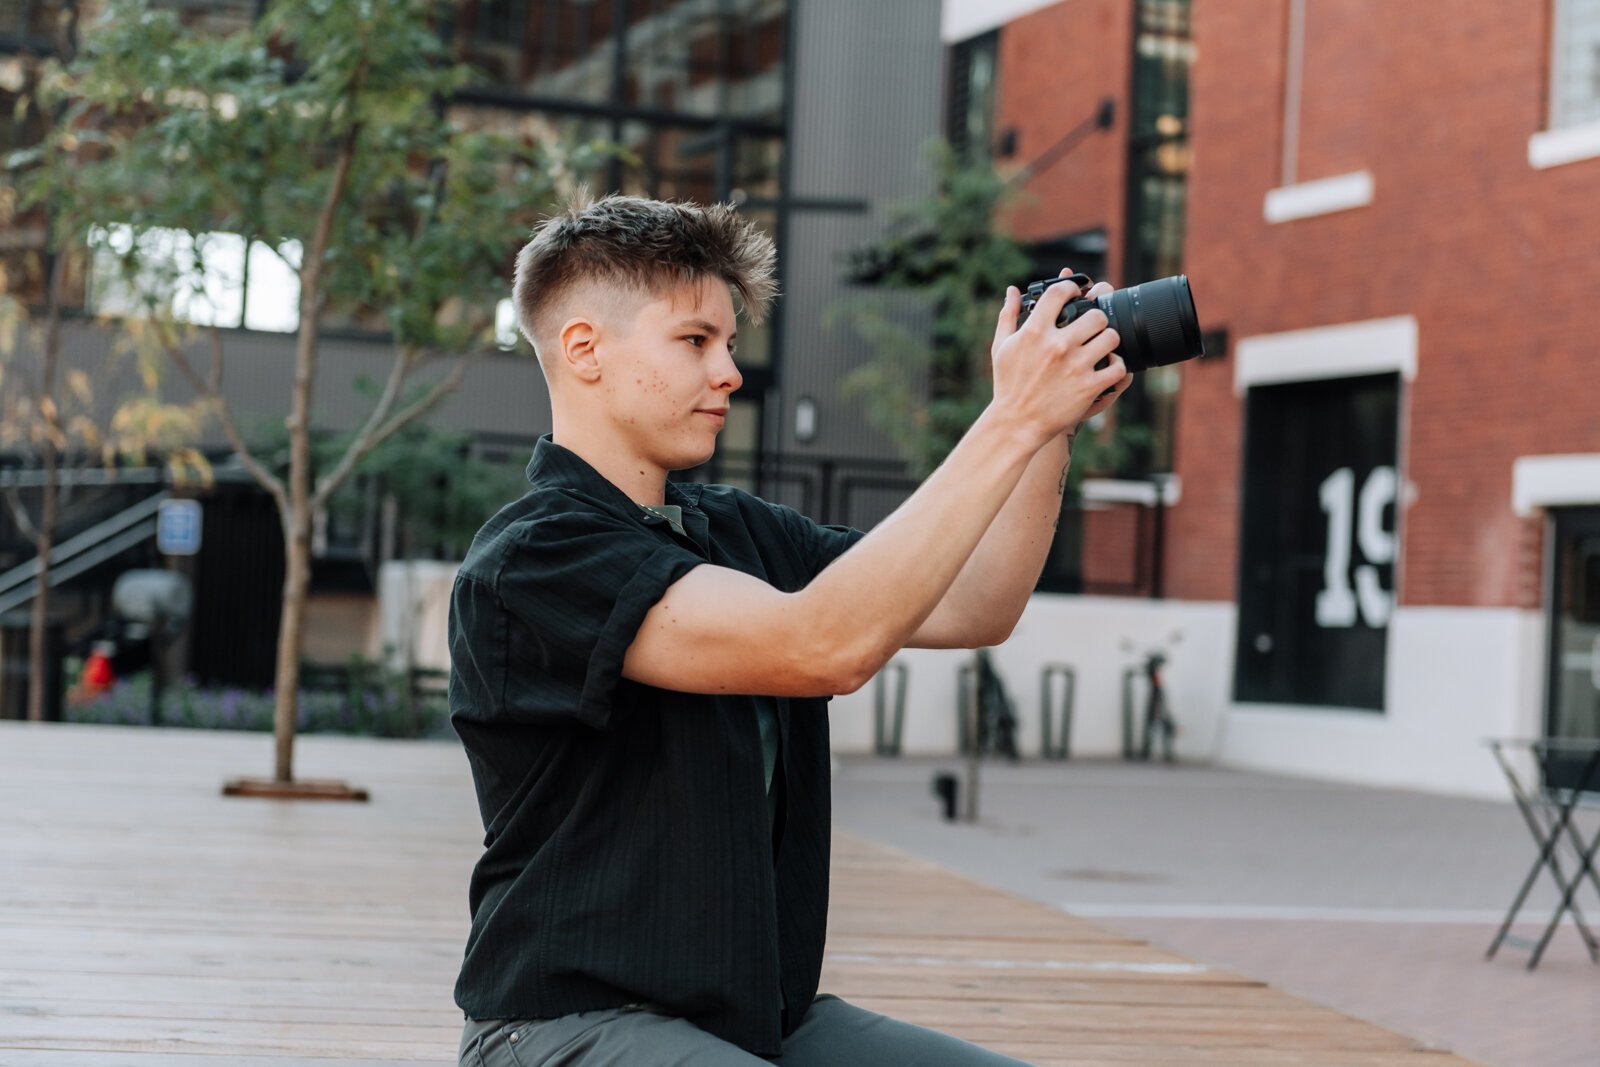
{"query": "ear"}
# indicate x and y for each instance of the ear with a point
(578, 341)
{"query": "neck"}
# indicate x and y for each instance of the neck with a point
(640, 480)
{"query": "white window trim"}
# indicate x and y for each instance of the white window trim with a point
(1117, 491)
(1324, 196)
(961, 19)
(1569, 144)
(1375, 346)
(1554, 481)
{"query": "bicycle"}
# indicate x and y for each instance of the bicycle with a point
(1158, 719)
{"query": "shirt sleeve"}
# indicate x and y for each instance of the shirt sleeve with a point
(574, 591)
(818, 545)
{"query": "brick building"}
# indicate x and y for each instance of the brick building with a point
(1382, 537)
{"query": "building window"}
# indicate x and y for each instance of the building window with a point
(1158, 169)
(204, 279)
(1575, 64)
(969, 127)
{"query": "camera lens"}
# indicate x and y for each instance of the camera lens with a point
(1155, 321)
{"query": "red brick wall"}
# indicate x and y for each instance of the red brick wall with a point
(1055, 65)
(1116, 550)
(1499, 263)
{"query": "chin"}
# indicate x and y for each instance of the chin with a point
(690, 458)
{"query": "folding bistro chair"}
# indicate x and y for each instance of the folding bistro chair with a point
(1548, 811)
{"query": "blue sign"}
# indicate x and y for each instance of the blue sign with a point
(178, 527)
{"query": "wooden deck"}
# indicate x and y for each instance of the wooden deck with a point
(147, 921)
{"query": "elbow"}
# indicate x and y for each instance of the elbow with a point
(857, 672)
(844, 670)
(989, 631)
(836, 663)
(998, 632)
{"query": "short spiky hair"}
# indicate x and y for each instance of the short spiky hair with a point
(646, 245)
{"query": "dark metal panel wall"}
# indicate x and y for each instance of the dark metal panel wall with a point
(867, 92)
(502, 396)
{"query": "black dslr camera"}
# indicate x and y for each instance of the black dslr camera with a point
(1156, 321)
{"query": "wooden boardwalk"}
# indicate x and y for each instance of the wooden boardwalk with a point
(147, 921)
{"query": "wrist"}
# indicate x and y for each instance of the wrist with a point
(1011, 432)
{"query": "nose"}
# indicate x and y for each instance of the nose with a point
(725, 373)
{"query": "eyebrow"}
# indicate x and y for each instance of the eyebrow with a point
(704, 327)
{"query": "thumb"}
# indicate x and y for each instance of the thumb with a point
(1007, 324)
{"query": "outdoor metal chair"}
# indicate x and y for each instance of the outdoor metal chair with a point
(1549, 809)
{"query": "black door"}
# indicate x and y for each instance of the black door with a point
(1317, 547)
(1573, 707)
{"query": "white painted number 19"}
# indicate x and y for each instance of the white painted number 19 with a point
(1337, 603)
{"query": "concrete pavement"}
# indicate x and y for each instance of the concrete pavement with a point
(1379, 903)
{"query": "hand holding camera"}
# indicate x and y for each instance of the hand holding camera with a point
(1128, 330)
(1156, 320)
(1051, 377)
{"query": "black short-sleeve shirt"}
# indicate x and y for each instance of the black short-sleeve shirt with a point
(628, 855)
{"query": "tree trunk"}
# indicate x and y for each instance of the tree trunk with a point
(291, 631)
(38, 680)
(45, 529)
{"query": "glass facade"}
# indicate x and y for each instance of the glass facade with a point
(707, 58)
(692, 92)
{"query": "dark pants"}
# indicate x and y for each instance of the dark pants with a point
(834, 1034)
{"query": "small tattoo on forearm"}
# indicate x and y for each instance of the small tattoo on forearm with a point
(1061, 489)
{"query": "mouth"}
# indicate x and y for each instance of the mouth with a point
(719, 415)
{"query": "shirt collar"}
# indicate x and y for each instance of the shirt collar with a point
(554, 466)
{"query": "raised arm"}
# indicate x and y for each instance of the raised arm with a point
(988, 597)
(717, 630)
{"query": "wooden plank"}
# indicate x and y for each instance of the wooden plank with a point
(147, 921)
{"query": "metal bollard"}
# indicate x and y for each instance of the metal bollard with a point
(886, 742)
(1049, 748)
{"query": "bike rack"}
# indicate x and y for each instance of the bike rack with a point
(966, 699)
(886, 742)
(1130, 748)
(1049, 748)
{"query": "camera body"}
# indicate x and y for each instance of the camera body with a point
(1156, 321)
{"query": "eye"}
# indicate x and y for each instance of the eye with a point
(698, 339)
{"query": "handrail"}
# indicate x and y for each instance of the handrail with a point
(126, 528)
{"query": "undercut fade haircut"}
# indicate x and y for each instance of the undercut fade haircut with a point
(645, 245)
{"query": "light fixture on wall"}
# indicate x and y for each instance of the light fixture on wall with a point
(805, 420)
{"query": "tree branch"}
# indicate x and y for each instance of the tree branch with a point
(19, 514)
(211, 391)
(372, 435)
(404, 362)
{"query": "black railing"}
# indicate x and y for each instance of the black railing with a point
(830, 489)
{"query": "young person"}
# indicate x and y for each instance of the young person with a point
(641, 668)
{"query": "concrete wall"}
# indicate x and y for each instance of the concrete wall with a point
(1456, 676)
(1098, 637)
(414, 612)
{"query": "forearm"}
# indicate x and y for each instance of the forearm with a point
(866, 606)
(992, 590)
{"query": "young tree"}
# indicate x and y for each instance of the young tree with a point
(323, 135)
(51, 413)
(947, 252)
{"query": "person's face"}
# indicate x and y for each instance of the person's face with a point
(667, 380)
